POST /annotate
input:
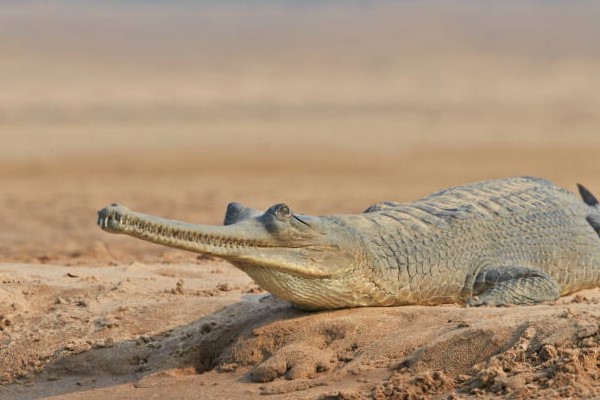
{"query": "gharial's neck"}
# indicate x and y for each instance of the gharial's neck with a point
(350, 289)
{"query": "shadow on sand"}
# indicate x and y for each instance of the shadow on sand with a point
(198, 345)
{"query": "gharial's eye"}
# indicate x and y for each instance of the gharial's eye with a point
(283, 211)
(280, 211)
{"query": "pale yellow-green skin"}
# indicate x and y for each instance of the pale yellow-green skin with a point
(509, 241)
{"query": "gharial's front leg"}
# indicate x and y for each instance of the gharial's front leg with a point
(502, 286)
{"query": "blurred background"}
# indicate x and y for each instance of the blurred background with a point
(177, 108)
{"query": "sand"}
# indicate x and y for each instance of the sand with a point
(396, 102)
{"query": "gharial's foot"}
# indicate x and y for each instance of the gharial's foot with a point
(292, 362)
(504, 286)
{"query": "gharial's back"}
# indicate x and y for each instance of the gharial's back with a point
(494, 198)
(451, 244)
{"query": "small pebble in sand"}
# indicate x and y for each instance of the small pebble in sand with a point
(178, 287)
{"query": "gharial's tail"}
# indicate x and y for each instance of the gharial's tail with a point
(591, 200)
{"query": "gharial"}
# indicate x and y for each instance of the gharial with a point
(509, 241)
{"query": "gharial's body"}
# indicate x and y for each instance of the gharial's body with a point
(507, 241)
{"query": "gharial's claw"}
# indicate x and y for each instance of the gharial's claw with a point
(477, 302)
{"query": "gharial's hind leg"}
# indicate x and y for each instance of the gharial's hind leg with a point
(504, 286)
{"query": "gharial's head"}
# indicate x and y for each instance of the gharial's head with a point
(277, 239)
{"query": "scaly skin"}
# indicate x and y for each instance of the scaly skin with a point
(500, 242)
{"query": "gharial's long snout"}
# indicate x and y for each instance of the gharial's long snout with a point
(114, 218)
(220, 241)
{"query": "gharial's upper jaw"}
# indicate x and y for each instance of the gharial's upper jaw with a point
(111, 218)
